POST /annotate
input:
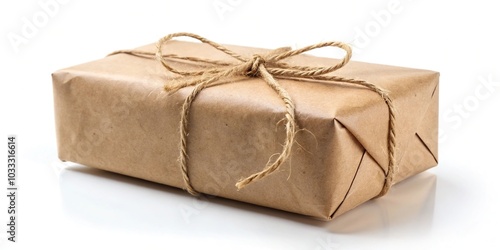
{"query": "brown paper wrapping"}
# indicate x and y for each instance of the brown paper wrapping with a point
(113, 114)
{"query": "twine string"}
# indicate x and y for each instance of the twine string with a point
(268, 67)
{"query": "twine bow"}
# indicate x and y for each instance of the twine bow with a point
(268, 67)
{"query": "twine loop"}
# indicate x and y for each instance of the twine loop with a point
(256, 61)
(268, 67)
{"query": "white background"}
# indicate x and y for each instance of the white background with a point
(73, 207)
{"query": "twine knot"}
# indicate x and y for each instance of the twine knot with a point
(255, 62)
(268, 67)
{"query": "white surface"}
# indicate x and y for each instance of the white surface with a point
(73, 207)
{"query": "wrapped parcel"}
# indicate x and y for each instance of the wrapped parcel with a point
(114, 114)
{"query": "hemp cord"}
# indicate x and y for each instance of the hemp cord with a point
(268, 67)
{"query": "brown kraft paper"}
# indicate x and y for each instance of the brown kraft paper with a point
(113, 114)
